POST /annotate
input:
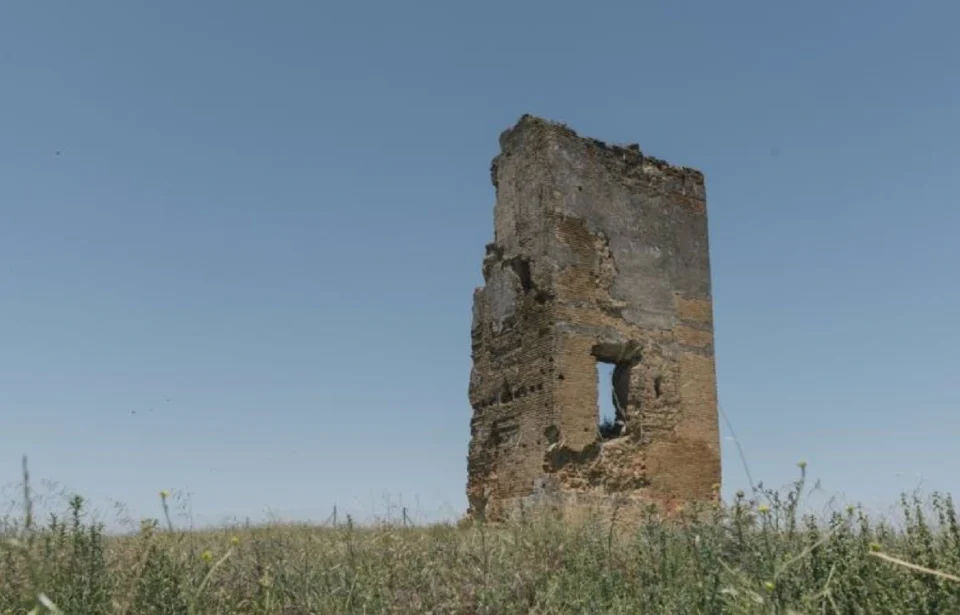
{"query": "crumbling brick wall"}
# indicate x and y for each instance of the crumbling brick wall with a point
(600, 253)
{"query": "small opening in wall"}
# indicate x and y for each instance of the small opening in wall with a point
(552, 434)
(658, 386)
(611, 400)
(608, 412)
(615, 401)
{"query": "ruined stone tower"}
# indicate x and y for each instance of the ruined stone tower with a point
(600, 255)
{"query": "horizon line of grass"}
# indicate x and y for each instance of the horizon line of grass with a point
(756, 554)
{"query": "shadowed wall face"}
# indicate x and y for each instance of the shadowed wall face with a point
(600, 254)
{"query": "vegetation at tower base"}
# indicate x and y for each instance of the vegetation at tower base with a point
(756, 555)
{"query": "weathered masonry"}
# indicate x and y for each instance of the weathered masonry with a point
(600, 255)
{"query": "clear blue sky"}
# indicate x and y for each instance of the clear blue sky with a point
(266, 220)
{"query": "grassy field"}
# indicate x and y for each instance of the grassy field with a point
(756, 554)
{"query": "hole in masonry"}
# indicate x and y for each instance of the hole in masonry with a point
(612, 397)
(614, 363)
(552, 434)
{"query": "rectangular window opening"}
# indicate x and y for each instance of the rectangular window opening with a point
(611, 399)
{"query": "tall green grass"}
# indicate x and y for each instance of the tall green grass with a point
(756, 554)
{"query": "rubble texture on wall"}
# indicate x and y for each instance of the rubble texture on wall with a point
(600, 254)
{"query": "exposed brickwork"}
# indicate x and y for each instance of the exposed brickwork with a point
(600, 253)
